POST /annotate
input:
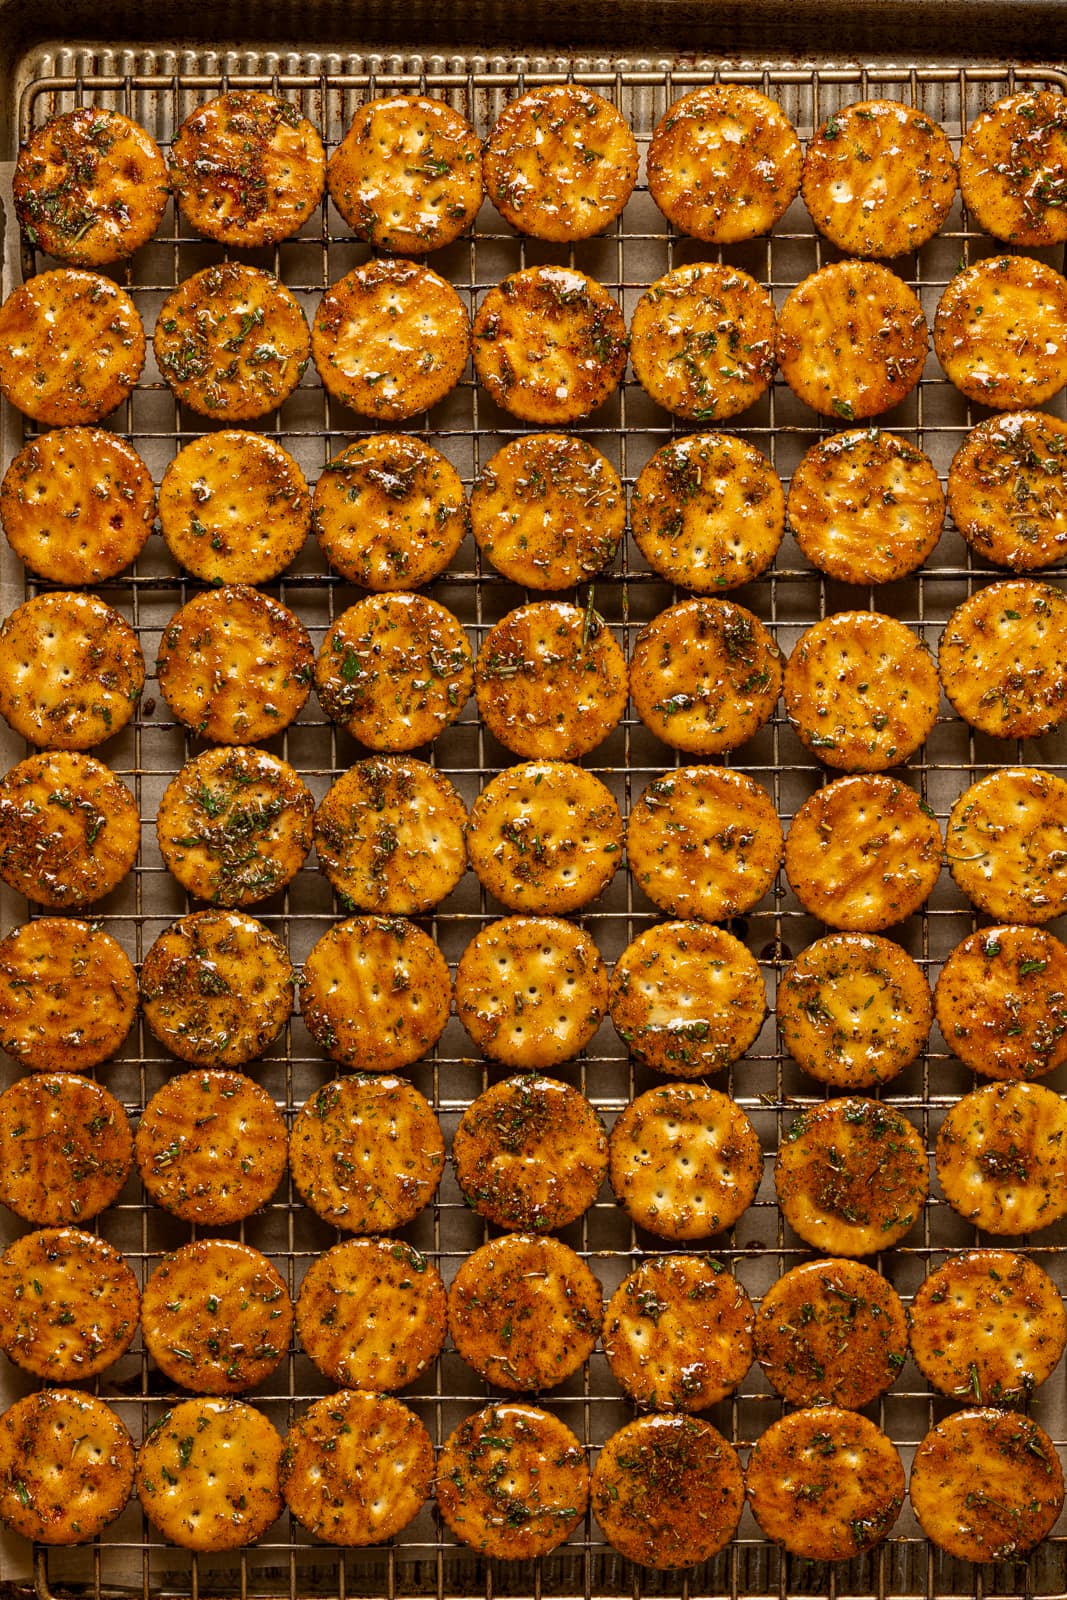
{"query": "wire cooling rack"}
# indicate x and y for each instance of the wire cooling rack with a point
(158, 89)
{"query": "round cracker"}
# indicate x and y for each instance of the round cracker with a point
(1000, 332)
(77, 505)
(524, 1312)
(852, 340)
(1007, 844)
(865, 506)
(1012, 164)
(390, 339)
(371, 1313)
(685, 1161)
(217, 988)
(668, 1491)
(687, 998)
(66, 1466)
(211, 1147)
(207, 1474)
(1001, 659)
(854, 1010)
(831, 1332)
(724, 163)
(560, 162)
(68, 1304)
(550, 680)
(704, 842)
(1001, 1157)
(825, 1483)
(548, 511)
(90, 187)
(530, 1153)
(702, 341)
(531, 991)
(862, 691)
(69, 829)
(216, 1317)
(1007, 490)
(232, 342)
(545, 837)
(234, 507)
(71, 347)
(705, 675)
(235, 665)
(247, 169)
(678, 1333)
(390, 836)
(708, 512)
(71, 671)
(68, 995)
(356, 1468)
(395, 670)
(863, 853)
(879, 178)
(407, 175)
(512, 1481)
(366, 1153)
(65, 1148)
(851, 1176)
(389, 512)
(986, 1485)
(376, 993)
(235, 825)
(1001, 1002)
(987, 1325)
(549, 345)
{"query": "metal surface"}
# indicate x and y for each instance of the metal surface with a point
(158, 90)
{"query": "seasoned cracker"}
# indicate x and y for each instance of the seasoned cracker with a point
(376, 993)
(548, 511)
(356, 1468)
(1001, 1157)
(1013, 168)
(685, 1161)
(77, 505)
(211, 1146)
(678, 1333)
(390, 836)
(549, 345)
(390, 339)
(550, 680)
(831, 1332)
(524, 1312)
(1006, 844)
(207, 1474)
(366, 1153)
(687, 998)
(389, 512)
(704, 842)
(851, 1176)
(530, 1153)
(371, 1313)
(531, 991)
(986, 1485)
(1003, 659)
(71, 347)
(66, 1466)
(1001, 1002)
(395, 670)
(724, 163)
(1007, 490)
(232, 342)
(66, 1148)
(235, 825)
(71, 671)
(702, 341)
(247, 169)
(234, 507)
(216, 1317)
(708, 512)
(69, 829)
(90, 187)
(68, 1304)
(68, 995)
(1001, 332)
(668, 1492)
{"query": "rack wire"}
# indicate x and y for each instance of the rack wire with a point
(158, 88)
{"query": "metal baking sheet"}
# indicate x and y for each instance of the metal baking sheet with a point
(158, 87)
